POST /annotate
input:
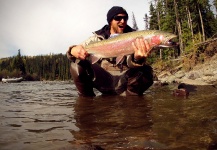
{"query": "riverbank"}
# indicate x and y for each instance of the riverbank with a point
(200, 74)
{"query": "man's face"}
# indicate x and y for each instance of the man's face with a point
(118, 23)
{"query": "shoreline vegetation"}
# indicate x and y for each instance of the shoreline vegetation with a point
(36, 68)
(196, 68)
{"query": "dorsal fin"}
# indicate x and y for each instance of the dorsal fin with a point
(92, 42)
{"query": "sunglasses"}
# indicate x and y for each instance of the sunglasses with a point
(119, 18)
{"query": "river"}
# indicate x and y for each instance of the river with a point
(51, 116)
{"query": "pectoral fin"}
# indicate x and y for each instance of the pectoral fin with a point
(94, 59)
(120, 59)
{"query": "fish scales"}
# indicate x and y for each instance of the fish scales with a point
(112, 49)
(121, 45)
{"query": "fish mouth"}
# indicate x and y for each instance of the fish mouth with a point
(169, 43)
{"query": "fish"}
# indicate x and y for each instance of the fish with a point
(120, 45)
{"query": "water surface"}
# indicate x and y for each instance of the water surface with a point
(50, 115)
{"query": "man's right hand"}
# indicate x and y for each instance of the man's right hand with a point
(79, 52)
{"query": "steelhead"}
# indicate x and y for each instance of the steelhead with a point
(121, 45)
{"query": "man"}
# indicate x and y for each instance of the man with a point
(87, 76)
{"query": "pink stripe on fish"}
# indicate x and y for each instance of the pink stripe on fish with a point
(156, 40)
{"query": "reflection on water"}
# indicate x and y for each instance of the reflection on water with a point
(113, 121)
(50, 115)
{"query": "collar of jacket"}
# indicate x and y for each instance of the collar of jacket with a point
(105, 31)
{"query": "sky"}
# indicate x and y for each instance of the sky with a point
(41, 27)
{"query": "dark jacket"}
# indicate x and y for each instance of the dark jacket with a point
(105, 31)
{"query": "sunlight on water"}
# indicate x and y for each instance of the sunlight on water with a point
(50, 115)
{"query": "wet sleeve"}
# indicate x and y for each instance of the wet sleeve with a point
(131, 63)
(86, 42)
(69, 55)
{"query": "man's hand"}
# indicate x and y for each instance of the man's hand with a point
(79, 52)
(141, 48)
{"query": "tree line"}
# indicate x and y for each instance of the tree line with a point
(47, 67)
(193, 21)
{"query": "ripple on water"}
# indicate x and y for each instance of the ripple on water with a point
(35, 114)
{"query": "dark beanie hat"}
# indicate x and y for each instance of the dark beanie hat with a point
(114, 11)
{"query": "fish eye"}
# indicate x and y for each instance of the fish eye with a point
(172, 43)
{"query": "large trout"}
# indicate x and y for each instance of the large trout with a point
(121, 45)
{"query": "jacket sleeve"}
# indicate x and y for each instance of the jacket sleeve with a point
(69, 55)
(94, 38)
(131, 63)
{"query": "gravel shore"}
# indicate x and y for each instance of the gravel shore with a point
(201, 74)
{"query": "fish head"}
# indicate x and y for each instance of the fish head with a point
(168, 40)
(162, 39)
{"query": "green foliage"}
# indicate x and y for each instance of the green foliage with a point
(167, 18)
(18, 63)
(193, 22)
(153, 24)
(48, 67)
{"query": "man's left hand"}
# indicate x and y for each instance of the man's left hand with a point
(141, 48)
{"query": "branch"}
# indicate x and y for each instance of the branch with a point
(206, 42)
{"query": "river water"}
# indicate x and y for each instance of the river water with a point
(50, 116)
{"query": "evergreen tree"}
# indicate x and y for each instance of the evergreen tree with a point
(215, 4)
(134, 22)
(166, 15)
(146, 22)
(48, 67)
(19, 64)
(153, 23)
(207, 16)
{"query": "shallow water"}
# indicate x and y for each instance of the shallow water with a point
(50, 115)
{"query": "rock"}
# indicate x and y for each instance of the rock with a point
(171, 79)
(188, 87)
(210, 79)
(202, 74)
(215, 72)
(181, 92)
(208, 72)
(164, 74)
(191, 82)
(179, 74)
(193, 75)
